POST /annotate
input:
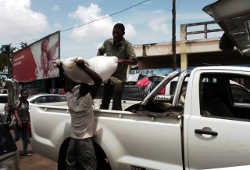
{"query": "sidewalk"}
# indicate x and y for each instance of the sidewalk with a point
(35, 162)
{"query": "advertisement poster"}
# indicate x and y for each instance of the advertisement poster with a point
(36, 61)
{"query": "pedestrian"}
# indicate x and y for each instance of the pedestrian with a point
(23, 122)
(81, 153)
(117, 46)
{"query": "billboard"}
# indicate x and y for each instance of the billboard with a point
(36, 61)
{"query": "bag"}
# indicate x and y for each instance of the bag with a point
(102, 65)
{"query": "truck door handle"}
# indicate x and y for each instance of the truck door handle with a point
(205, 131)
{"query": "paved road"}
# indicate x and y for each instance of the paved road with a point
(35, 162)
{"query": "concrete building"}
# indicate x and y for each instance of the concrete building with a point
(190, 52)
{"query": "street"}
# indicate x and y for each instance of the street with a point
(35, 162)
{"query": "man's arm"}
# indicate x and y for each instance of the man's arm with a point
(19, 122)
(67, 83)
(130, 53)
(130, 61)
(96, 78)
(101, 50)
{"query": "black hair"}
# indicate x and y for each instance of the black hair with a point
(84, 89)
(120, 26)
(22, 98)
(23, 90)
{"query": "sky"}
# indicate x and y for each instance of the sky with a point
(150, 22)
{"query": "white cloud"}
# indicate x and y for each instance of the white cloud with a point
(96, 30)
(159, 25)
(19, 21)
(182, 16)
(193, 16)
(57, 26)
(56, 8)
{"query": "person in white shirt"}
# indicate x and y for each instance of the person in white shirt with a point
(81, 153)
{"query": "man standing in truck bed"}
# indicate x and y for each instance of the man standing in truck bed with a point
(117, 46)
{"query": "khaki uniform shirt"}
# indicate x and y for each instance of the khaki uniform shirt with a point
(122, 50)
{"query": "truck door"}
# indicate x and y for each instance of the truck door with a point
(144, 138)
(216, 125)
(48, 124)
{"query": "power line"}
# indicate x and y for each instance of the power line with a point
(101, 18)
(104, 17)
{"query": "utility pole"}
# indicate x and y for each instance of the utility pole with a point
(174, 34)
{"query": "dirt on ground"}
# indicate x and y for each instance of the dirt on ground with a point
(35, 162)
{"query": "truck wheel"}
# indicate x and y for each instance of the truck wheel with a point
(102, 160)
(62, 156)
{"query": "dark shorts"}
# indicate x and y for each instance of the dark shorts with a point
(81, 155)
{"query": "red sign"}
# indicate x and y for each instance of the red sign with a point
(37, 60)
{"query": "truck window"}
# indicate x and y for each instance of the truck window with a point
(225, 96)
(3, 99)
(173, 86)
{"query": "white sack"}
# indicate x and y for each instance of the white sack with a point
(102, 65)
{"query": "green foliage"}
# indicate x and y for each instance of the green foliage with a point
(23, 44)
(6, 58)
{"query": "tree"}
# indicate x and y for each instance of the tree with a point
(23, 44)
(6, 58)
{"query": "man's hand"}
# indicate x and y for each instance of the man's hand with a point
(123, 61)
(19, 123)
(81, 63)
(126, 61)
(120, 60)
(84, 66)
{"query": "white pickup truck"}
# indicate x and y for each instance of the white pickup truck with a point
(209, 131)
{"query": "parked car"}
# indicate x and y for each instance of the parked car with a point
(3, 91)
(3, 105)
(3, 101)
(9, 157)
(162, 134)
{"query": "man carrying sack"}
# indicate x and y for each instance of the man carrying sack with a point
(81, 84)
